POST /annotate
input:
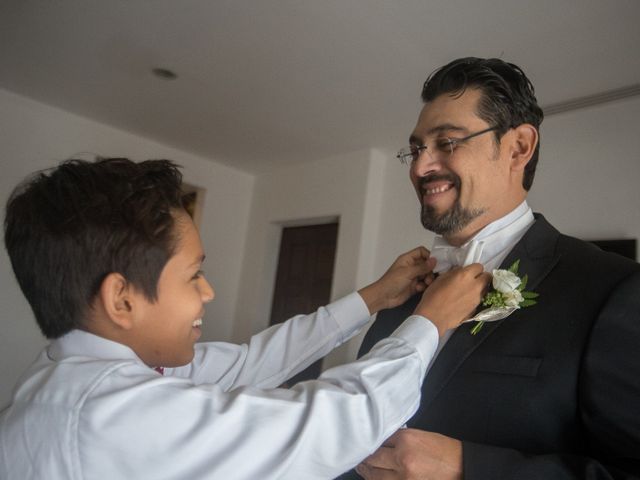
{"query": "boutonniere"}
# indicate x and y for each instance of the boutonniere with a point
(507, 296)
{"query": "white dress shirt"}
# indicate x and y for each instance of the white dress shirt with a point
(89, 408)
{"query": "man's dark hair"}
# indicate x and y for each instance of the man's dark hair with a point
(67, 228)
(508, 97)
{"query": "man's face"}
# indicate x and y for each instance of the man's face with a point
(167, 329)
(462, 192)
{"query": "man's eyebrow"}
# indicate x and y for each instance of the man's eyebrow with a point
(445, 127)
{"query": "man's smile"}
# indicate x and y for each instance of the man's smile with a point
(437, 187)
(437, 191)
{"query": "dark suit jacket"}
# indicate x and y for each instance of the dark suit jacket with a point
(553, 391)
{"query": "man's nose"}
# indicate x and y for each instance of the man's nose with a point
(426, 163)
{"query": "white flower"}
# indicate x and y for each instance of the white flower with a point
(507, 296)
(505, 281)
(513, 298)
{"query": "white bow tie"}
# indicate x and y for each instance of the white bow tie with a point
(448, 256)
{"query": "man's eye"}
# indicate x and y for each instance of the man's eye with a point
(444, 144)
(416, 150)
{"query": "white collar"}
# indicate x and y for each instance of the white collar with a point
(521, 211)
(78, 343)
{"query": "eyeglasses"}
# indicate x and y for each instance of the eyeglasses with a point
(443, 146)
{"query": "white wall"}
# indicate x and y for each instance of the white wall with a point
(36, 136)
(589, 173)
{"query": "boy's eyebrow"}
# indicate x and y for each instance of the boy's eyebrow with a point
(199, 260)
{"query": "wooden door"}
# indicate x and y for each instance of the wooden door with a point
(304, 276)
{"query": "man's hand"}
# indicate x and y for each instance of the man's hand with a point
(453, 296)
(415, 455)
(409, 274)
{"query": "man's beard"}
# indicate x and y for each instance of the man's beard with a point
(449, 222)
(454, 219)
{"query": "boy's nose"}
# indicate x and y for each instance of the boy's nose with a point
(206, 290)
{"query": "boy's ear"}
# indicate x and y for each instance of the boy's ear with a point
(118, 300)
(525, 140)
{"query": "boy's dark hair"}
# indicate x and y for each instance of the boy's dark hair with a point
(508, 97)
(67, 228)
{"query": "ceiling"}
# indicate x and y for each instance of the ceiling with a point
(266, 83)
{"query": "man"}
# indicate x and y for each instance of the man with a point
(553, 390)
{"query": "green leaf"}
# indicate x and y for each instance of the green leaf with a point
(530, 295)
(514, 267)
(527, 303)
(523, 282)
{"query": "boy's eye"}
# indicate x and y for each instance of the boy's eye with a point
(197, 275)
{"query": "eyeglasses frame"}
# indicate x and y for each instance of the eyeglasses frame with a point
(405, 153)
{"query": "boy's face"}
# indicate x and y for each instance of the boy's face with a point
(165, 331)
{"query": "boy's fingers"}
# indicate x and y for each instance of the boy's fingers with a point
(417, 255)
(422, 268)
(486, 281)
(475, 268)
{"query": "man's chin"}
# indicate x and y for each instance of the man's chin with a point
(439, 228)
(436, 226)
(434, 221)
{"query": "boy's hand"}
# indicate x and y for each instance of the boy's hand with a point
(409, 274)
(453, 296)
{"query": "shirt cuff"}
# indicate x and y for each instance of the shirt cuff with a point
(421, 333)
(350, 313)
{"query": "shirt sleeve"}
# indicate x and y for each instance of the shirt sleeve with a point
(315, 430)
(279, 352)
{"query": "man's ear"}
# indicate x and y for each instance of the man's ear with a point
(523, 145)
(118, 300)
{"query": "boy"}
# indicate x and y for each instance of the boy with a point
(112, 267)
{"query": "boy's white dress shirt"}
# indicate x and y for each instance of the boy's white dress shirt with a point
(89, 408)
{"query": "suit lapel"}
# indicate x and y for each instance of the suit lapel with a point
(537, 252)
(538, 255)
